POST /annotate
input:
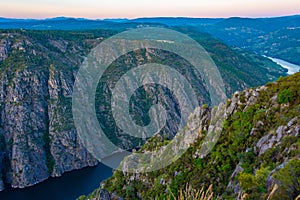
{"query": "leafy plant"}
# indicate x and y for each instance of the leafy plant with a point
(285, 96)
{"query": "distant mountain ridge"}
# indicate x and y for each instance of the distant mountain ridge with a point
(277, 37)
(169, 21)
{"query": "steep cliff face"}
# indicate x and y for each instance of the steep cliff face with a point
(24, 121)
(256, 156)
(39, 137)
(65, 147)
(37, 71)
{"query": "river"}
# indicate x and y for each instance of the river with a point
(70, 185)
(67, 187)
(292, 68)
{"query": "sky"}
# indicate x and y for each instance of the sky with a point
(100, 9)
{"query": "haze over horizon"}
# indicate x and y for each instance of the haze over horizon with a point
(94, 9)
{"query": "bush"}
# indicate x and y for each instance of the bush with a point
(289, 180)
(285, 96)
(82, 197)
(247, 181)
(261, 178)
(130, 192)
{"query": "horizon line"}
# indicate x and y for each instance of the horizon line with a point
(147, 17)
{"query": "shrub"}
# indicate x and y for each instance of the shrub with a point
(130, 192)
(285, 96)
(247, 181)
(289, 180)
(261, 177)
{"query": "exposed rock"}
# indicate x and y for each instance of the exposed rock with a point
(25, 123)
(270, 139)
(234, 185)
(251, 97)
(60, 44)
(290, 123)
(1, 185)
(270, 180)
(104, 195)
(4, 49)
(114, 196)
(39, 141)
(65, 147)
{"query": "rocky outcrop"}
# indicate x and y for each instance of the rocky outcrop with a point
(1, 185)
(234, 186)
(38, 141)
(66, 150)
(271, 139)
(25, 118)
(104, 195)
(4, 48)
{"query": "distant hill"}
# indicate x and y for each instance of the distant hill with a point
(275, 37)
(179, 21)
(60, 23)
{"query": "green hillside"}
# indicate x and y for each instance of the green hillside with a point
(256, 156)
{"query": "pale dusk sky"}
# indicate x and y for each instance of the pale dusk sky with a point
(99, 9)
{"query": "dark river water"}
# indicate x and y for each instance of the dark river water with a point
(70, 186)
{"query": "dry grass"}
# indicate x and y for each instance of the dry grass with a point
(188, 193)
(275, 187)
